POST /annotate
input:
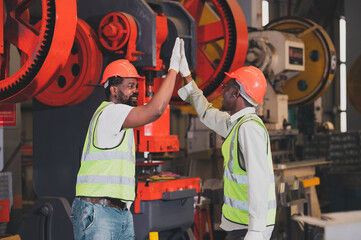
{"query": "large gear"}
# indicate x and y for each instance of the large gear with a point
(81, 73)
(46, 49)
(219, 23)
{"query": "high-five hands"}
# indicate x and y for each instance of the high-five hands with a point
(175, 59)
(178, 61)
(184, 69)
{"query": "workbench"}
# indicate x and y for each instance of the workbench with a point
(305, 171)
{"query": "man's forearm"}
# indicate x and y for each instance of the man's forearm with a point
(161, 98)
(210, 116)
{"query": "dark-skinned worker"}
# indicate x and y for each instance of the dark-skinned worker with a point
(105, 186)
(249, 207)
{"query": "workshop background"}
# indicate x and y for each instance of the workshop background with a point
(53, 53)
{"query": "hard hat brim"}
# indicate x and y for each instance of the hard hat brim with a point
(106, 80)
(231, 75)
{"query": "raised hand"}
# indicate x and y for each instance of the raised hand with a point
(176, 56)
(184, 69)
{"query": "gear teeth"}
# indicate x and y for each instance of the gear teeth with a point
(230, 24)
(40, 57)
(208, 90)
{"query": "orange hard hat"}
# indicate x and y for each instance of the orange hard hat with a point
(252, 80)
(122, 68)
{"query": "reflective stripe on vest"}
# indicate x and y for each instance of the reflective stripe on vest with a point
(107, 172)
(235, 207)
(106, 179)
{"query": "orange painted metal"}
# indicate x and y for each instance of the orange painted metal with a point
(148, 191)
(7, 114)
(117, 30)
(202, 219)
(28, 40)
(233, 40)
(132, 53)
(18, 201)
(155, 136)
(114, 30)
(82, 71)
(4, 210)
(162, 32)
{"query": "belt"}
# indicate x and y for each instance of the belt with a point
(106, 202)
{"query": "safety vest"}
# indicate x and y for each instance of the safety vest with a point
(107, 172)
(235, 207)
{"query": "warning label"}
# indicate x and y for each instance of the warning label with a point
(8, 114)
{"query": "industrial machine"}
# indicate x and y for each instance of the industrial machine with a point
(65, 48)
(62, 72)
(299, 61)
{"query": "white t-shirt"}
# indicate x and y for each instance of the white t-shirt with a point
(110, 122)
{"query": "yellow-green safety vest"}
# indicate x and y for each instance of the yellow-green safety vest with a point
(107, 172)
(235, 207)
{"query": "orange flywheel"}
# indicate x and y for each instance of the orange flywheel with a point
(46, 48)
(115, 29)
(222, 40)
(81, 72)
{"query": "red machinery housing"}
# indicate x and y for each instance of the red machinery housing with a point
(154, 137)
(63, 84)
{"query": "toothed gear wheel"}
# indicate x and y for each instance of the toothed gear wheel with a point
(77, 79)
(219, 23)
(46, 50)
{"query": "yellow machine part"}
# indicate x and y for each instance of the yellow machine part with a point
(354, 84)
(309, 182)
(320, 60)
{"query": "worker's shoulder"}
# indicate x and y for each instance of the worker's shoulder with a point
(115, 111)
(252, 127)
(119, 107)
(252, 120)
(251, 123)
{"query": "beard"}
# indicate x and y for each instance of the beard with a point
(133, 100)
(122, 98)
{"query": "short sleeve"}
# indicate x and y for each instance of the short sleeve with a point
(109, 126)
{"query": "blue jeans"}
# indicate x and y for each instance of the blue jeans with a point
(94, 221)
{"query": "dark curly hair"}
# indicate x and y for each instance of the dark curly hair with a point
(113, 81)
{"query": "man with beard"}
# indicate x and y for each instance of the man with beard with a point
(105, 186)
(249, 207)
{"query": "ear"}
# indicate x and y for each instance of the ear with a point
(113, 90)
(237, 93)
